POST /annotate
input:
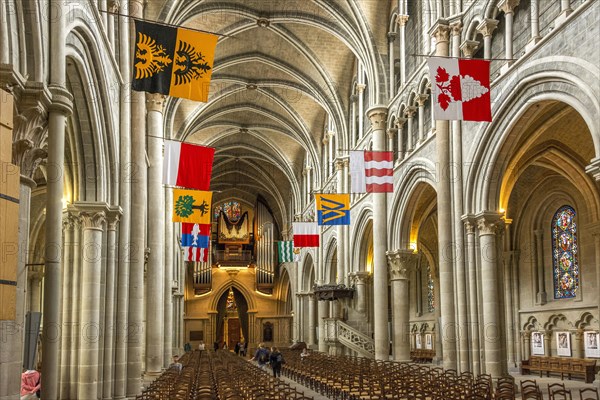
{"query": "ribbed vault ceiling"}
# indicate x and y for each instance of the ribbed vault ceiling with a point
(273, 88)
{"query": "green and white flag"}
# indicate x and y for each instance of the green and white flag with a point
(286, 251)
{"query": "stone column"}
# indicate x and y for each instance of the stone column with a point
(125, 174)
(565, 8)
(578, 345)
(421, 99)
(539, 256)
(402, 20)
(473, 316)
(547, 340)
(401, 263)
(113, 7)
(341, 260)
(409, 113)
(92, 223)
(508, 6)
(4, 42)
(458, 229)
(390, 135)
(378, 115)
(168, 284)
(67, 306)
(509, 305)
(139, 202)
(391, 38)
(360, 279)
(400, 132)
(441, 31)
(311, 319)
(156, 237)
(535, 24)
(346, 253)
(114, 216)
(59, 110)
(487, 224)
(526, 339)
(360, 88)
(487, 28)
(76, 300)
(323, 307)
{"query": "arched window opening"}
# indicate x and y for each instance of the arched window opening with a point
(565, 253)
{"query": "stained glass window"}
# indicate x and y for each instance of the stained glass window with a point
(232, 209)
(430, 291)
(564, 253)
(231, 305)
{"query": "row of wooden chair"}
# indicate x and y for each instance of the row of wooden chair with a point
(530, 390)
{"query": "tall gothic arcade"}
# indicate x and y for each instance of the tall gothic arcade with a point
(466, 262)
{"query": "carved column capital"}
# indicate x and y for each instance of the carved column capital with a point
(410, 112)
(62, 100)
(400, 121)
(114, 6)
(401, 262)
(488, 223)
(469, 47)
(456, 28)
(401, 20)
(440, 31)
(155, 102)
(391, 132)
(378, 116)
(113, 217)
(339, 164)
(93, 220)
(360, 87)
(391, 36)
(487, 26)
(359, 277)
(470, 223)
(507, 6)
(421, 99)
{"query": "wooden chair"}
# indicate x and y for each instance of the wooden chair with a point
(588, 394)
(561, 394)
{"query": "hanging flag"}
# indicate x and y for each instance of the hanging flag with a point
(191, 206)
(372, 171)
(173, 61)
(306, 234)
(195, 254)
(460, 88)
(195, 235)
(187, 165)
(286, 251)
(333, 209)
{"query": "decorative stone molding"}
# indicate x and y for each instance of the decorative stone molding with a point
(469, 47)
(339, 164)
(440, 31)
(113, 217)
(378, 116)
(155, 102)
(62, 100)
(401, 262)
(507, 6)
(487, 27)
(401, 20)
(114, 6)
(332, 292)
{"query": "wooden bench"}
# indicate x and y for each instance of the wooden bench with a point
(585, 368)
(424, 356)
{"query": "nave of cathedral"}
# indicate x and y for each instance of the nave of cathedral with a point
(484, 259)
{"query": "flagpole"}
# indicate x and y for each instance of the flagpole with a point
(462, 58)
(167, 24)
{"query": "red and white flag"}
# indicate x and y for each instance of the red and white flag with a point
(372, 171)
(187, 165)
(196, 254)
(461, 89)
(306, 234)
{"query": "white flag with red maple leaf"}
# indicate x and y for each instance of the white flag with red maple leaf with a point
(460, 88)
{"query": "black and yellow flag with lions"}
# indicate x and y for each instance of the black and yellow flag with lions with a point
(173, 61)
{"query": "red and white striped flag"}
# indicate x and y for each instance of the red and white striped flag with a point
(306, 234)
(460, 88)
(187, 165)
(196, 254)
(372, 171)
